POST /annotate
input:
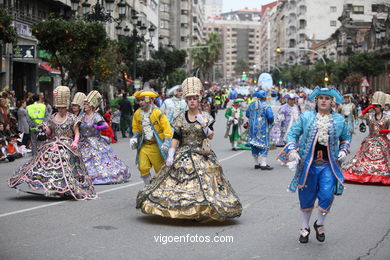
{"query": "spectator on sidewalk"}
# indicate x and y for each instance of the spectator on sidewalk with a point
(126, 113)
(23, 124)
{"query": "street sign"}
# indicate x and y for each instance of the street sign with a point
(365, 83)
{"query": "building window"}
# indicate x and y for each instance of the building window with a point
(333, 9)
(333, 23)
(358, 9)
(379, 8)
(184, 12)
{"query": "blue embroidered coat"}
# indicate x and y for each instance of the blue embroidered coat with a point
(305, 131)
(261, 118)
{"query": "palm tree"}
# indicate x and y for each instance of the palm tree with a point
(204, 58)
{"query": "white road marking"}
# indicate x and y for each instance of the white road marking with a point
(100, 192)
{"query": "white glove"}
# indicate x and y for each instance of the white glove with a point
(342, 156)
(235, 121)
(200, 119)
(230, 119)
(164, 147)
(292, 165)
(294, 156)
(133, 143)
(171, 153)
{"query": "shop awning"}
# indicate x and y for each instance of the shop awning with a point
(53, 72)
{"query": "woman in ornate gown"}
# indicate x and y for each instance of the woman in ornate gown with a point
(191, 185)
(103, 165)
(371, 164)
(57, 167)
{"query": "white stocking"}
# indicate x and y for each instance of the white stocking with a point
(306, 218)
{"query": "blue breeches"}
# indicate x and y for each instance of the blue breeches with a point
(259, 151)
(320, 184)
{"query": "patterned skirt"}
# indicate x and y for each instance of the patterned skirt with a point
(192, 188)
(371, 164)
(103, 165)
(57, 170)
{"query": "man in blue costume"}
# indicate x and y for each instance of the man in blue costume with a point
(324, 139)
(261, 118)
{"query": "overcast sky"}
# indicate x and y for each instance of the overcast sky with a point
(237, 4)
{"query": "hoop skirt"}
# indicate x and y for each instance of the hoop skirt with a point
(103, 165)
(56, 168)
(371, 164)
(194, 186)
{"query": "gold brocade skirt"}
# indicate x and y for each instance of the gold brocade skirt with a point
(192, 188)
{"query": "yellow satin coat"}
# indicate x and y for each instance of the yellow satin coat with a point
(159, 121)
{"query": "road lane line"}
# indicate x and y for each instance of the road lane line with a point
(30, 209)
(100, 192)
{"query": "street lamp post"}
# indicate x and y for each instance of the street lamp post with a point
(138, 35)
(326, 78)
(101, 11)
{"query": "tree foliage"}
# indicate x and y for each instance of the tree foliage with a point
(349, 72)
(176, 78)
(76, 47)
(7, 31)
(204, 58)
(173, 59)
(241, 66)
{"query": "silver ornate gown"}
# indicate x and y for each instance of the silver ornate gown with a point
(103, 165)
(56, 168)
(194, 186)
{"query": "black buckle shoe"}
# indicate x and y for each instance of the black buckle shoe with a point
(320, 232)
(304, 237)
(267, 168)
(257, 166)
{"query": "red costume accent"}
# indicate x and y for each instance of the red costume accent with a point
(108, 131)
(371, 163)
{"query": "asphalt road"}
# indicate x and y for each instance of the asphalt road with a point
(110, 227)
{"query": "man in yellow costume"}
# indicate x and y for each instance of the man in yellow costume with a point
(152, 135)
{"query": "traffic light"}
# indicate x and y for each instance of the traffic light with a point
(243, 76)
(280, 82)
(278, 50)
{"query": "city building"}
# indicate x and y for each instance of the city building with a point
(213, 8)
(239, 32)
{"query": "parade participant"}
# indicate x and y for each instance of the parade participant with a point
(371, 164)
(152, 135)
(57, 167)
(37, 114)
(102, 164)
(173, 106)
(192, 184)
(287, 115)
(324, 139)
(386, 109)
(78, 104)
(108, 133)
(235, 119)
(261, 118)
(349, 111)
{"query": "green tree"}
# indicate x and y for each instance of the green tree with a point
(176, 78)
(367, 63)
(7, 31)
(75, 46)
(241, 66)
(173, 59)
(204, 58)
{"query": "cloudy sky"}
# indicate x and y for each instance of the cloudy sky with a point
(237, 4)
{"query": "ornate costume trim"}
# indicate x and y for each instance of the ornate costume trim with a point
(323, 128)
